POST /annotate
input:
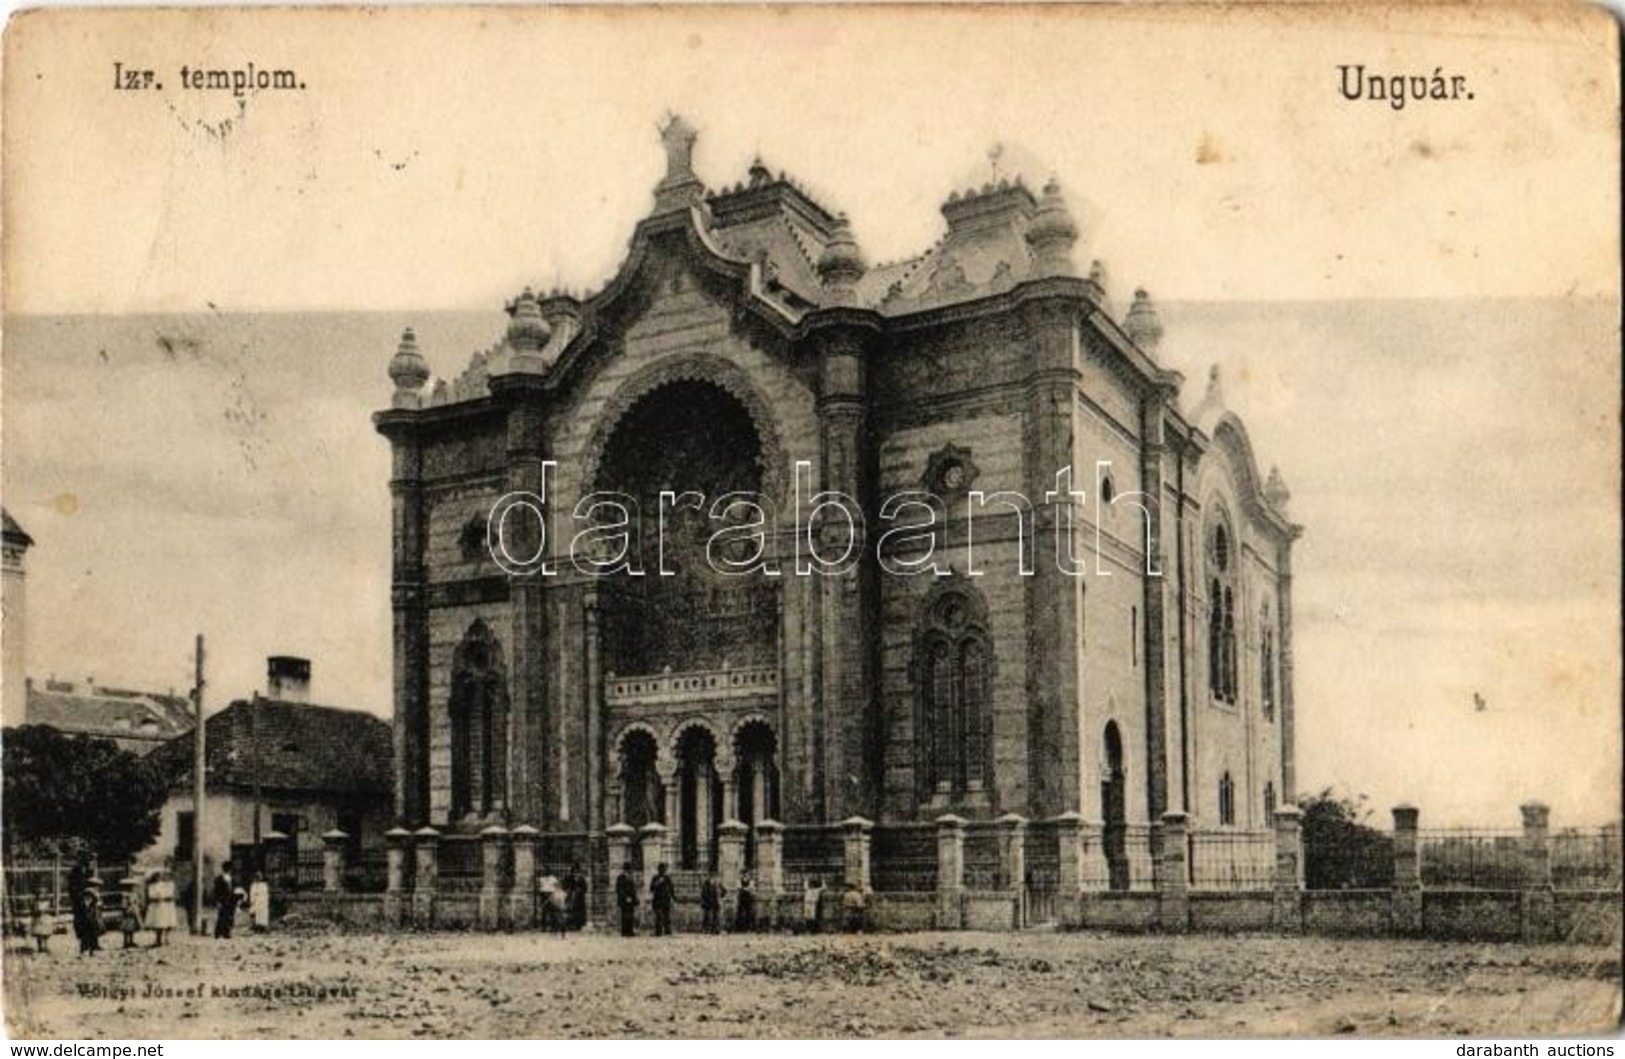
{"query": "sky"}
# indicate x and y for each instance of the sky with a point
(1415, 311)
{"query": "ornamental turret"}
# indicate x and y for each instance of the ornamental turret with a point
(1142, 325)
(1276, 492)
(1052, 232)
(527, 328)
(679, 188)
(841, 265)
(409, 371)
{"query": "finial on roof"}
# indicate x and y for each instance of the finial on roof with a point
(408, 370)
(1142, 324)
(527, 329)
(841, 265)
(1097, 279)
(679, 187)
(1052, 233)
(759, 173)
(1276, 492)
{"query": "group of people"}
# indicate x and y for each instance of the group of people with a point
(663, 896)
(145, 904)
(564, 901)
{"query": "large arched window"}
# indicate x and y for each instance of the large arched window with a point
(955, 713)
(479, 724)
(1221, 632)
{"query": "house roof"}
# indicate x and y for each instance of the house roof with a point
(299, 747)
(13, 533)
(136, 720)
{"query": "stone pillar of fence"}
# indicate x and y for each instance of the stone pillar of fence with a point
(731, 852)
(619, 839)
(652, 842)
(1407, 899)
(426, 848)
(855, 832)
(1013, 863)
(1092, 850)
(950, 872)
(1173, 873)
(1288, 912)
(769, 870)
(493, 877)
(397, 845)
(335, 845)
(1539, 912)
(522, 894)
(1070, 855)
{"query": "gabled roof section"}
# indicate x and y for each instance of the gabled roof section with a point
(136, 720)
(291, 746)
(14, 534)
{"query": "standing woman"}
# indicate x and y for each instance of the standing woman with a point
(40, 925)
(87, 914)
(809, 903)
(129, 918)
(160, 904)
(259, 903)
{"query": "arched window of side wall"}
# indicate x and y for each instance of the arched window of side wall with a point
(1222, 563)
(1266, 663)
(479, 724)
(954, 680)
(1227, 800)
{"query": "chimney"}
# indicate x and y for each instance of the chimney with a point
(287, 679)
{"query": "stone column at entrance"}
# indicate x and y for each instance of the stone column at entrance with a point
(619, 839)
(652, 841)
(731, 853)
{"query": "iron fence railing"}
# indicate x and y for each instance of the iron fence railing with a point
(1232, 860)
(1470, 859)
(1586, 859)
(903, 858)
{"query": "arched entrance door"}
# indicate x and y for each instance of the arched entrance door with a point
(1114, 809)
(699, 799)
(755, 751)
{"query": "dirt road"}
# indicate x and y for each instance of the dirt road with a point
(918, 985)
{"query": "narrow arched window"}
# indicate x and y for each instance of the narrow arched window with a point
(478, 721)
(1227, 801)
(1269, 802)
(1221, 630)
(1266, 664)
(954, 678)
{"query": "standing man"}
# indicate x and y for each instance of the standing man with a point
(626, 899)
(661, 895)
(711, 894)
(575, 893)
(225, 901)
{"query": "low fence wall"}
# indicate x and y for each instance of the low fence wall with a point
(1001, 875)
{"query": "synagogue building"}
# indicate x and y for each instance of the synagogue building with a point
(1085, 606)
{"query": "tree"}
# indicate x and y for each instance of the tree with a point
(66, 793)
(1340, 850)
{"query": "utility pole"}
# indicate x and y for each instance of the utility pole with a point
(197, 793)
(254, 727)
